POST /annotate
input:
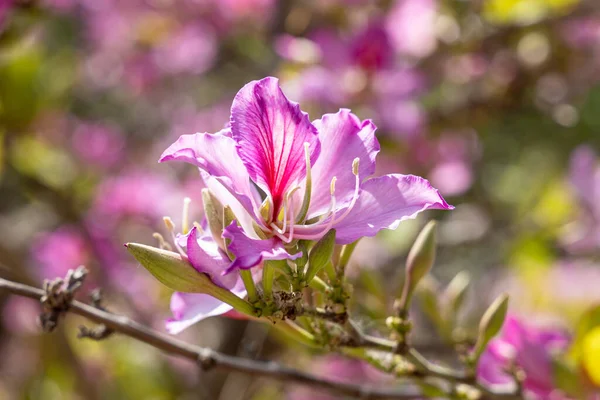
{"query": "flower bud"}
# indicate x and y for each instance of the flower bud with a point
(490, 324)
(456, 291)
(178, 274)
(213, 211)
(320, 254)
(418, 264)
(170, 269)
(427, 294)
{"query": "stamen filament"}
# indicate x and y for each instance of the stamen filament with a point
(185, 224)
(355, 165)
(308, 187)
(171, 228)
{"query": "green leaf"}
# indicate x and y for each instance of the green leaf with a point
(320, 255)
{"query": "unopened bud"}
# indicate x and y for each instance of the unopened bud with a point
(456, 291)
(213, 211)
(170, 269)
(418, 264)
(320, 254)
(490, 324)
(427, 294)
(178, 274)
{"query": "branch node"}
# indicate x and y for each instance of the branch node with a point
(58, 295)
(206, 359)
(99, 332)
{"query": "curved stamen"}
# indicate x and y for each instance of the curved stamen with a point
(331, 213)
(307, 187)
(291, 208)
(355, 165)
(288, 207)
(185, 223)
(171, 228)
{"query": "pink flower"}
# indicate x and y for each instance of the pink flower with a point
(286, 178)
(529, 348)
(270, 145)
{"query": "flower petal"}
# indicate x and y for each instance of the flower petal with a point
(245, 218)
(251, 252)
(343, 138)
(270, 132)
(205, 256)
(384, 202)
(216, 155)
(188, 309)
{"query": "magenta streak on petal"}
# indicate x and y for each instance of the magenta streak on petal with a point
(251, 252)
(270, 132)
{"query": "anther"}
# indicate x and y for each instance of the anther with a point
(185, 226)
(169, 224)
(162, 244)
(355, 165)
(332, 185)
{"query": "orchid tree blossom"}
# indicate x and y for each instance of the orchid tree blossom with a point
(284, 179)
(289, 179)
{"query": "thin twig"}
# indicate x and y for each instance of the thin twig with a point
(208, 358)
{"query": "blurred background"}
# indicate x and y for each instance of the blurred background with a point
(496, 102)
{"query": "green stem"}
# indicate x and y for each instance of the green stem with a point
(319, 285)
(297, 333)
(267, 280)
(237, 303)
(246, 276)
(345, 257)
(331, 274)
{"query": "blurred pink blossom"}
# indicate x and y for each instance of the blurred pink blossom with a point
(582, 32)
(531, 349)
(584, 176)
(56, 252)
(5, 6)
(98, 144)
(243, 10)
(137, 194)
(192, 50)
(452, 178)
(338, 369)
(19, 315)
(405, 119)
(371, 49)
(411, 26)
